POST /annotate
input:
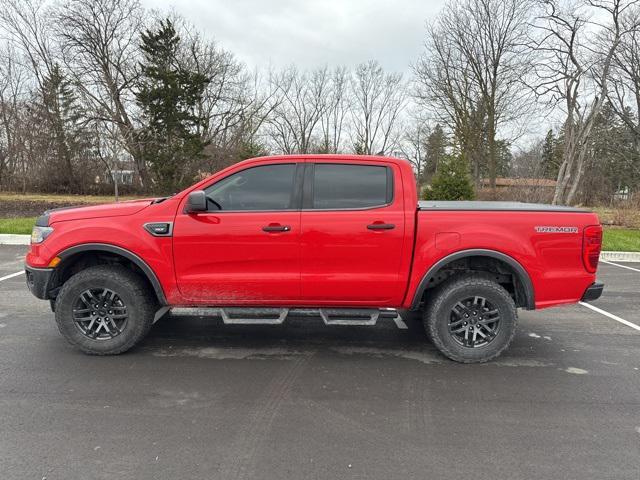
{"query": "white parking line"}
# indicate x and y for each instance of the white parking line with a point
(621, 266)
(7, 277)
(612, 316)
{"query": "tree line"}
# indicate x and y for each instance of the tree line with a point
(90, 89)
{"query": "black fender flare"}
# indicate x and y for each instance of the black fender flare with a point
(135, 259)
(522, 275)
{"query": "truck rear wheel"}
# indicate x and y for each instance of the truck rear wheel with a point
(104, 310)
(471, 319)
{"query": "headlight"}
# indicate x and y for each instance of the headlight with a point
(39, 234)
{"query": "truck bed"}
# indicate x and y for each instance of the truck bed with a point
(442, 205)
(546, 240)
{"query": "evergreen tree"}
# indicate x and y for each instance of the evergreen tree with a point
(435, 152)
(504, 157)
(358, 146)
(168, 95)
(452, 182)
(550, 159)
(61, 132)
(250, 149)
(612, 162)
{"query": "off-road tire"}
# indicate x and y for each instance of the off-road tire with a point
(130, 287)
(439, 308)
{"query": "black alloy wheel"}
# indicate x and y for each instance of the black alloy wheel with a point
(100, 313)
(474, 322)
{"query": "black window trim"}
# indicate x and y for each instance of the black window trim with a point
(296, 192)
(309, 176)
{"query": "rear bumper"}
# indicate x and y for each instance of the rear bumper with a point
(39, 281)
(593, 292)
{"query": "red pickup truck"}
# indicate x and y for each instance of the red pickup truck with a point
(340, 236)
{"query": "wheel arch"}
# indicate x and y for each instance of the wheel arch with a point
(72, 255)
(523, 288)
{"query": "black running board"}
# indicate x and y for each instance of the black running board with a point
(277, 316)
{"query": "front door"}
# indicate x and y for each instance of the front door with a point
(246, 248)
(352, 234)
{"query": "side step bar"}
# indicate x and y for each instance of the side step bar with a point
(253, 316)
(277, 316)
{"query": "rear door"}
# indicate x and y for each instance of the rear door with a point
(246, 248)
(352, 233)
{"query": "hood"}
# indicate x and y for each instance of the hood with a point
(95, 211)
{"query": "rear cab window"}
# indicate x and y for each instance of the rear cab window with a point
(336, 186)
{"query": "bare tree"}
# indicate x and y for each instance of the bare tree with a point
(302, 103)
(624, 93)
(414, 144)
(474, 63)
(378, 100)
(444, 86)
(25, 26)
(20, 161)
(28, 62)
(333, 122)
(575, 73)
(99, 41)
(242, 133)
(224, 101)
(12, 94)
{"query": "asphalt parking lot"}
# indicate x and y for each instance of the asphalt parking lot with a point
(200, 400)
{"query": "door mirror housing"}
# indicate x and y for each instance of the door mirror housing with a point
(196, 202)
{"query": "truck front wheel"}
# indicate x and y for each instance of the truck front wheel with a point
(470, 319)
(104, 310)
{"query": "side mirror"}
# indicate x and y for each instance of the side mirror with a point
(196, 202)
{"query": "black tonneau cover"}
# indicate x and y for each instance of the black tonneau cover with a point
(495, 206)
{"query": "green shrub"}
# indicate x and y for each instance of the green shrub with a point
(451, 182)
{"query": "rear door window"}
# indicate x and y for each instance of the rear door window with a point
(340, 186)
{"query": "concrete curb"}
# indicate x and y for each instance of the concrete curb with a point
(620, 256)
(10, 239)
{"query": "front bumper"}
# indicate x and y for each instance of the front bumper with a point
(39, 281)
(593, 292)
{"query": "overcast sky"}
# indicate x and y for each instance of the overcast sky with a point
(312, 33)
